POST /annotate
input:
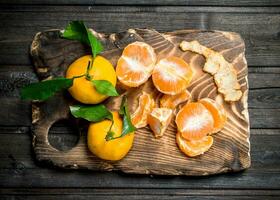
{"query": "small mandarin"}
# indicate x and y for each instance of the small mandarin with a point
(114, 149)
(82, 89)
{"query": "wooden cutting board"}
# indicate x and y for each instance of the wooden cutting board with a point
(231, 149)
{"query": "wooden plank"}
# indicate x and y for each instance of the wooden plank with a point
(133, 197)
(17, 166)
(15, 112)
(137, 192)
(148, 2)
(262, 41)
(48, 193)
(264, 118)
(265, 98)
(134, 8)
(42, 177)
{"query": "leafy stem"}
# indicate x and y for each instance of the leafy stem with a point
(110, 133)
(89, 67)
(127, 124)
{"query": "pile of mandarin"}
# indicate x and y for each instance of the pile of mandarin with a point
(171, 76)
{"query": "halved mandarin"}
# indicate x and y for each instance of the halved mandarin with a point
(140, 117)
(158, 120)
(172, 101)
(172, 75)
(194, 121)
(218, 112)
(136, 64)
(194, 147)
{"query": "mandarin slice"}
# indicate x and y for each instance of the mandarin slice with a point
(136, 64)
(194, 121)
(140, 117)
(158, 120)
(194, 147)
(172, 75)
(172, 101)
(218, 112)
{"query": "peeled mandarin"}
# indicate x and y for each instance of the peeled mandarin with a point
(172, 75)
(194, 121)
(136, 64)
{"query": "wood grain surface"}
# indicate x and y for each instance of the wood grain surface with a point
(21, 177)
(230, 152)
(148, 2)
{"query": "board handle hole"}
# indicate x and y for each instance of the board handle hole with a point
(63, 135)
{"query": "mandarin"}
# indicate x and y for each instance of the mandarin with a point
(136, 64)
(172, 75)
(194, 121)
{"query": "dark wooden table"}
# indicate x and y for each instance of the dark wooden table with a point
(21, 177)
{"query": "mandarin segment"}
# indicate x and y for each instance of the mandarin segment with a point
(172, 101)
(172, 75)
(158, 120)
(194, 147)
(136, 64)
(194, 121)
(140, 117)
(218, 112)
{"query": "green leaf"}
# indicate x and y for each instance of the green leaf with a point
(45, 89)
(96, 46)
(91, 113)
(105, 87)
(77, 30)
(127, 124)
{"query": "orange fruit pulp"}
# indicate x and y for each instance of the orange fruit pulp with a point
(194, 121)
(136, 64)
(172, 101)
(159, 119)
(218, 112)
(172, 75)
(140, 117)
(194, 147)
